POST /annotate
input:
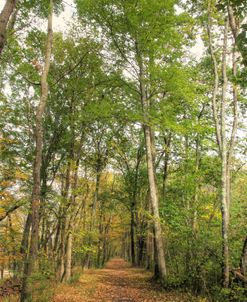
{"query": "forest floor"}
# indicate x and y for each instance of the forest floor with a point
(117, 282)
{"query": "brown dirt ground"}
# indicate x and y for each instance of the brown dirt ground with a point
(117, 282)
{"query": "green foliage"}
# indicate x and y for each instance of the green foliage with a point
(94, 172)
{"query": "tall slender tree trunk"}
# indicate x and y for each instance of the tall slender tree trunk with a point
(243, 261)
(39, 146)
(25, 235)
(141, 243)
(150, 159)
(234, 25)
(105, 242)
(224, 169)
(5, 15)
(61, 267)
(156, 269)
(150, 245)
(132, 233)
(100, 233)
(225, 149)
(167, 141)
(194, 217)
(64, 220)
(154, 203)
(68, 257)
(35, 199)
(133, 209)
(93, 212)
(71, 224)
(96, 196)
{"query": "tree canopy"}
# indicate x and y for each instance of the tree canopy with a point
(117, 140)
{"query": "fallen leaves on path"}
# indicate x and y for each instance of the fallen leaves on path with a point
(118, 282)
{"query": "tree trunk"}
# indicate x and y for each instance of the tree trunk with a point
(5, 15)
(68, 257)
(99, 245)
(35, 200)
(150, 241)
(132, 233)
(64, 220)
(25, 235)
(154, 203)
(141, 247)
(93, 213)
(150, 159)
(224, 170)
(243, 262)
(220, 128)
(149, 247)
(167, 141)
(105, 242)
(61, 267)
(155, 257)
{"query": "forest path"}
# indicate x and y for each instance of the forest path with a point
(117, 282)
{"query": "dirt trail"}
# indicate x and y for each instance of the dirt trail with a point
(117, 282)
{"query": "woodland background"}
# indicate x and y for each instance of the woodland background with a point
(117, 140)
